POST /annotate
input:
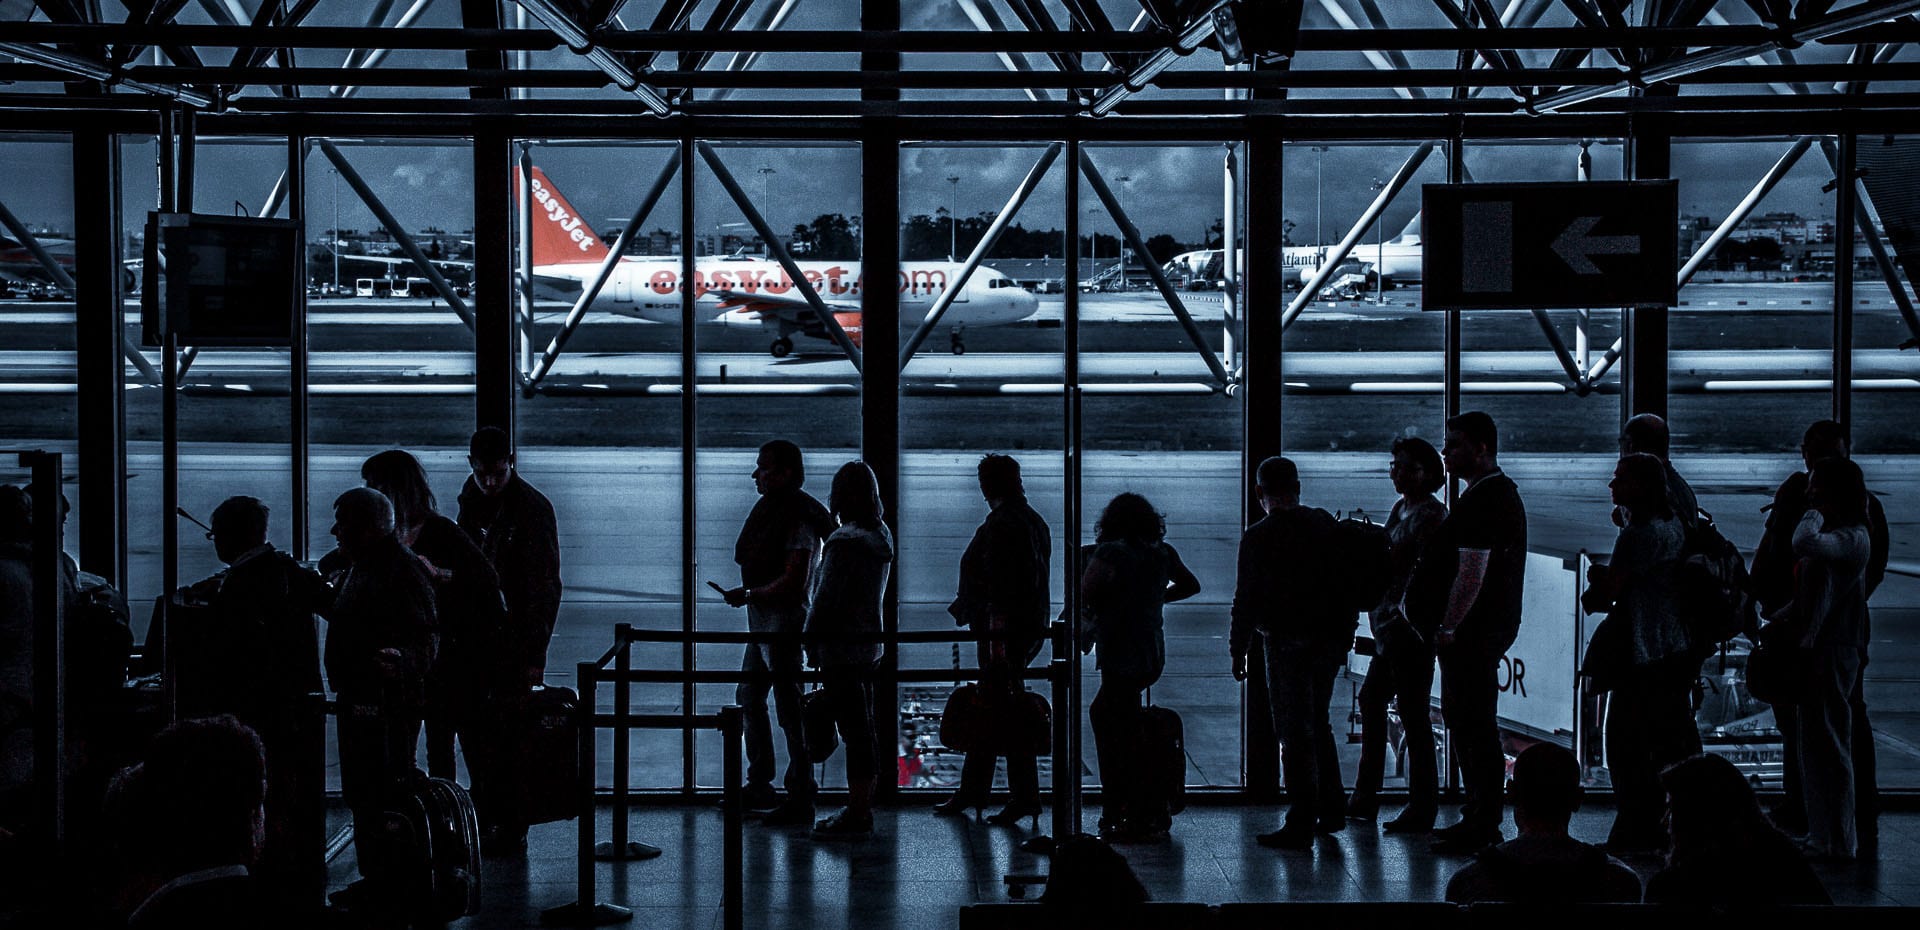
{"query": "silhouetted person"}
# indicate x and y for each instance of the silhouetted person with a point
(1003, 589)
(468, 610)
(1402, 668)
(1647, 432)
(1476, 567)
(1133, 574)
(1773, 562)
(776, 551)
(1724, 852)
(1827, 621)
(16, 658)
(1544, 865)
(253, 652)
(1641, 653)
(380, 648)
(513, 525)
(854, 566)
(1091, 885)
(1283, 591)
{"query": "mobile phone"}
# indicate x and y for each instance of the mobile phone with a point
(720, 590)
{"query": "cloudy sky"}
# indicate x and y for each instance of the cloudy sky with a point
(1169, 189)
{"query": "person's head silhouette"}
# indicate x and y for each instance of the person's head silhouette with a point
(239, 525)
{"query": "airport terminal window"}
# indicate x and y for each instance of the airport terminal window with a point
(39, 404)
(600, 435)
(767, 369)
(985, 379)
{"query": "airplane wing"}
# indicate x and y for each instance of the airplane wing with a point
(444, 264)
(546, 287)
(794, 310)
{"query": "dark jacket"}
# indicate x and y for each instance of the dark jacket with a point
(1125, 600)
(1004, 572)
(253, 649)
(517, 532)
(385, 601)
(1762, 871)
(1773, 559)
(763, 544)
(1281, 586)
(468, 606)
(1544, 870)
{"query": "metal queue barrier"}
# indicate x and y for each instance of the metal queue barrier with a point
(585, 910)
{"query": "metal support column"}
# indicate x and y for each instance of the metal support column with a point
(1067, 764)
(1451, 340)
(492, 317)
(1230, 260)
(1845, 201)
(1876, 245)
(523, 254)
(880, 383)
(689, 459)
(49, 654)
(99, 323)
(1262, 385)
(1644, 329)
(297, 356)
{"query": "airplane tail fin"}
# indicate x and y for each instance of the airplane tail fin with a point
(560, 234)
(1411, 234)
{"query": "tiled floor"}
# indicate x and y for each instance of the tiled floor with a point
(919, 869)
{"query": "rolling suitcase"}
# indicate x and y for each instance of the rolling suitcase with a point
(1163, 755)
(547, 768)
(437, 835)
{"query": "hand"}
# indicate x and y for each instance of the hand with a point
(1240, 668)
(735, 597)
(1443, 637)
(433, 571)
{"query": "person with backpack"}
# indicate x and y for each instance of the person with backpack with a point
(1647, 432)
(1402, 667)
(1132, 575)
(1642, 654)
(1281, 593)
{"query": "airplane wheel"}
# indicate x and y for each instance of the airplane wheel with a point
(782, 347)
(959, 348)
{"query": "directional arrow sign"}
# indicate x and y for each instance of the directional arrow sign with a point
(1527, 246)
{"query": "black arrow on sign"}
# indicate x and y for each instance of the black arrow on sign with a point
(1574, 245)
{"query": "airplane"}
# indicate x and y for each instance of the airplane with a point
(20, 271)
(1398, 258)
(741, 290)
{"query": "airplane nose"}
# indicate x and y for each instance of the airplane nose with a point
(1025, 304)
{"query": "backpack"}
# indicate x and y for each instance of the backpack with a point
(1361, 570)
(1712, 590)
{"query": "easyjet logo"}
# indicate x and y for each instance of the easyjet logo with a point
(559, 216)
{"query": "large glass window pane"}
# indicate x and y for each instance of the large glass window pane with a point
(39, 390)
(767, 368)
(600, 432)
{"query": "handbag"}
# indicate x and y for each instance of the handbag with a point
(996, 721)
(1779, 671)
(817, 725)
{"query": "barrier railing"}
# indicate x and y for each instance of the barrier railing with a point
(586, 910)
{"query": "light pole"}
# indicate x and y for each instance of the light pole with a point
(1093, 244)
(1379, 250)
(334, 247)
(1120, 243)
(953, 217)
(766, 172)
(1319, 172)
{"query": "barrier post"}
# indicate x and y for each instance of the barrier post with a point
(618, 848)
(733, 854)
(1065, 777)
(585, 911)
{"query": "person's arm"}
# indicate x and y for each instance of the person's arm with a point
(1181, 583)
(1467, 581)
(1246, 600)
(1878, 541)
(543, 562)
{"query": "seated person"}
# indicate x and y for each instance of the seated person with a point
(193, 816)
(1724, 850)
(1091, 882)
(1544, 865)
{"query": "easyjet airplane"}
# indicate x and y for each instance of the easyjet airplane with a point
(741, 290)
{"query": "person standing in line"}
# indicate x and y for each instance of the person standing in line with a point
(380, 647)
(1475, 566)
(513, 525)
(259, 659)
(777, 549)
(1773, 562)
(1641, 653)
(854, 566)
(1402, 667)
(467, 601)
(1003, 590)
(1133, 574)
(1827, 620)
(1282, 591)
(1647, 432)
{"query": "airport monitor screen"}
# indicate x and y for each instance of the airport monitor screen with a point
(220, 280)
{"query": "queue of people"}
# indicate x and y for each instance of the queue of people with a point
(443, 624)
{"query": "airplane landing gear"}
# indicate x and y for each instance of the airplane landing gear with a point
(957, 342)
(782, 347)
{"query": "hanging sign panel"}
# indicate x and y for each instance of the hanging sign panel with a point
(1538, 246)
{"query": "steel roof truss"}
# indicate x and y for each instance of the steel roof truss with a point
(986, 19)
(1876, 246)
